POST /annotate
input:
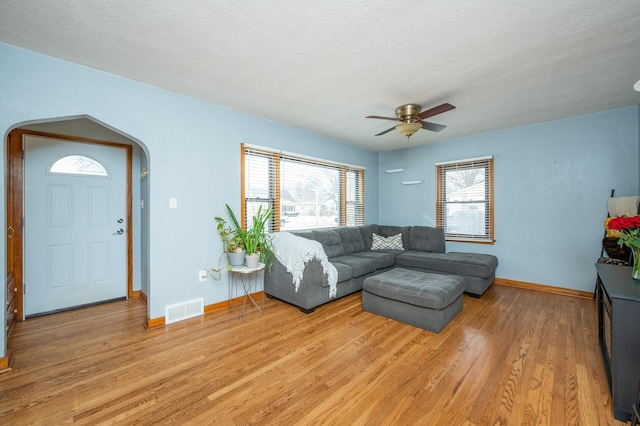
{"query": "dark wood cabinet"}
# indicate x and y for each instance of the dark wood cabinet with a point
(619, 334)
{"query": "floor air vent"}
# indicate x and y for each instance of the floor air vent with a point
(183, 310)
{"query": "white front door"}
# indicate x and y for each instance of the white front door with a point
(75, 243)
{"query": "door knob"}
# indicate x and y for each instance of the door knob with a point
(119, 232)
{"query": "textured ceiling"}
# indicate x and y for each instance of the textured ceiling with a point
(323, 66)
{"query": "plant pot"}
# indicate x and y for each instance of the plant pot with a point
(252, 260)
(236, 258)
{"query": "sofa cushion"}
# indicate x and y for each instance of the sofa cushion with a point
(344, 273)
(359, 265)
(426, 238)
(308, 234)
(393, 242)
(389, 230)
(472, 264)
(331, 242)
(383, 259)
(366, 231)
(351, 239)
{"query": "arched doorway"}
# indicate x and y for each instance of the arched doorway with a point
(88, 131)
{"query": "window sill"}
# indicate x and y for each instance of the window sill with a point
(470, 240)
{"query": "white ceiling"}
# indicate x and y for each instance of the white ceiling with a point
(323, 66)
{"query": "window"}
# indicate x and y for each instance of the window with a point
(464, 199)
(304, 193)
(78, 165)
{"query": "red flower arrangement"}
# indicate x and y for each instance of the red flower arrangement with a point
(629, 228)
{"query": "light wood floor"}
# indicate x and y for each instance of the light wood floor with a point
(513, 357)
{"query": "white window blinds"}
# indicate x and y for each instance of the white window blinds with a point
(464, 199)
(305, 193)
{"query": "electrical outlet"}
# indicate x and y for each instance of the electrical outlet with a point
(202, 275)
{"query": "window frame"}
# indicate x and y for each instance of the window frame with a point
(274, 199)
(441, 194)
(67, 160)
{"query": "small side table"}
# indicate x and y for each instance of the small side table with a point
(248, 279)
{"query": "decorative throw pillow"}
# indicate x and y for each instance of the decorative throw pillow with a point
(393, 242)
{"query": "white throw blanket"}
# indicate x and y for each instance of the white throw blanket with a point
(294, 252)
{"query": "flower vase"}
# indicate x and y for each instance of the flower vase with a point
(636, 262)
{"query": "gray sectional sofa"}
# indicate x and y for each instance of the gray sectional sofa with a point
(349, 249)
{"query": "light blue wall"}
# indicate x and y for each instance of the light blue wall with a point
(193, 149)
(552, 182)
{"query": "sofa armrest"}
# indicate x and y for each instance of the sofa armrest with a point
(313, 290)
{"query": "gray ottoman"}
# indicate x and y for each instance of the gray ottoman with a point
(421, 299)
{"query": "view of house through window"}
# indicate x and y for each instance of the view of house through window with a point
(464, 205)
(305, 193)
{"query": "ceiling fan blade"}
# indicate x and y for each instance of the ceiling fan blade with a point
(382, 118)
(436, 110)
(386, 131)
(432, 126)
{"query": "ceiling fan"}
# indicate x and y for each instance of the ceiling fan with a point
(411, 119)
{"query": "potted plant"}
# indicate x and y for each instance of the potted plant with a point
(232, 242)
(256, 239)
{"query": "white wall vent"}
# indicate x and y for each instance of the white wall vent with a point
(183, 310)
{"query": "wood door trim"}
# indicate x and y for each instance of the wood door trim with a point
(14, 213)
(15, 186)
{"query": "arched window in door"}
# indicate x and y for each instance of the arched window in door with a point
(78, 165)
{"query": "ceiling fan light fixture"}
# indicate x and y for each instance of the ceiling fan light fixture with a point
(408, 129)
(412, 119)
